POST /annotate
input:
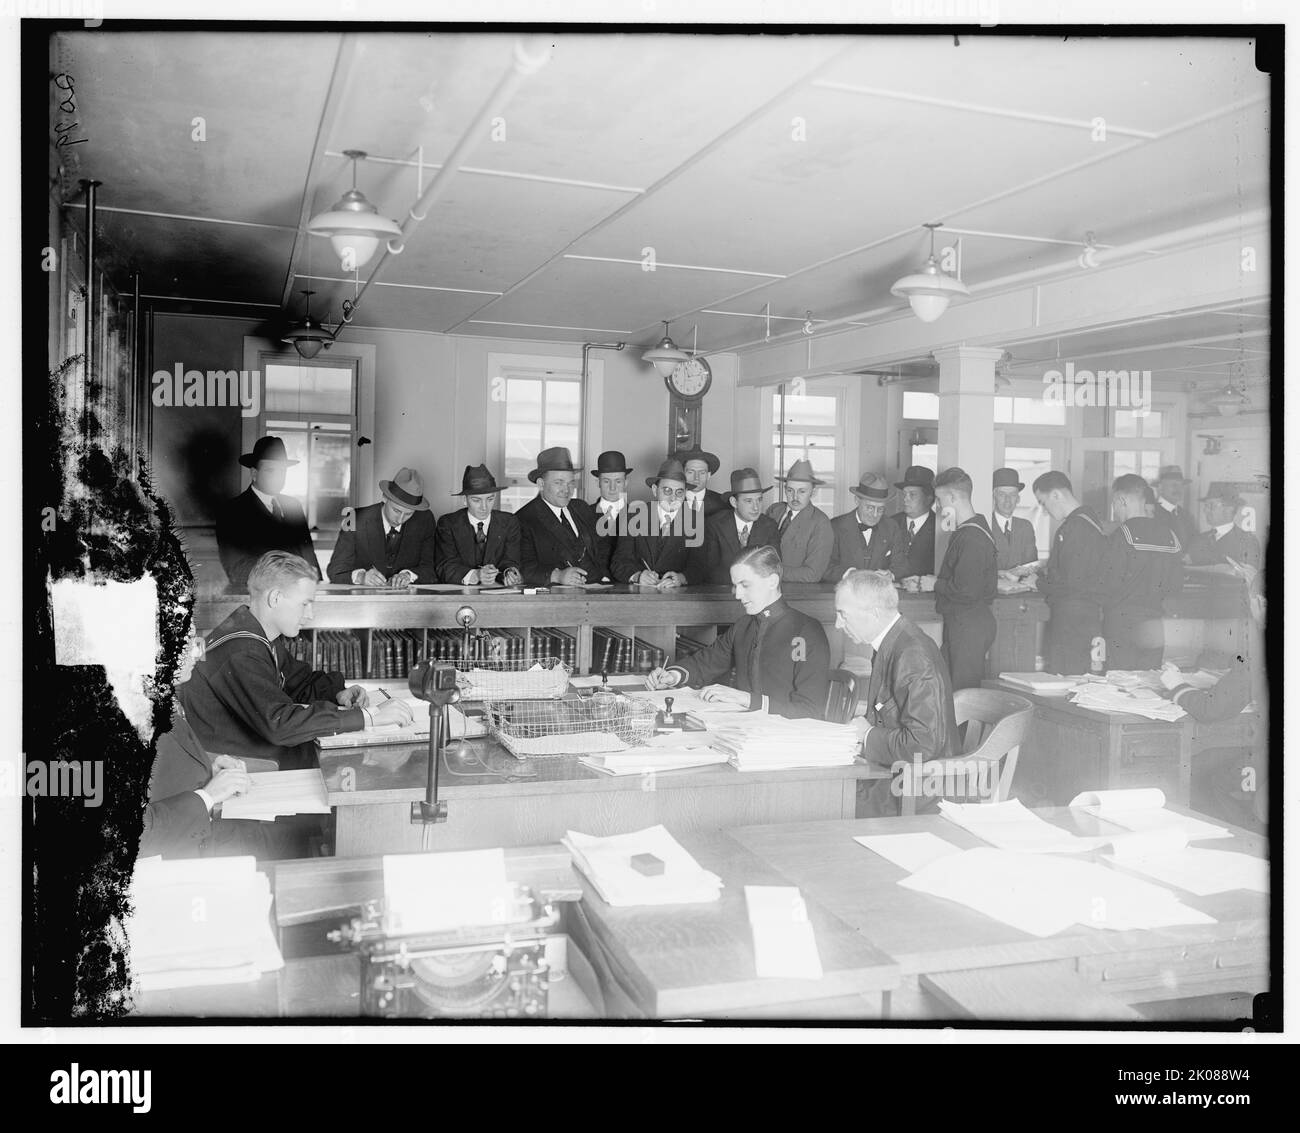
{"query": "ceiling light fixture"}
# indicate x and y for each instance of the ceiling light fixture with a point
(930, 290)
(308, 337)
(666, 356)
(353, 225)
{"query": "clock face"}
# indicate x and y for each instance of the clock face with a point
(690, 378)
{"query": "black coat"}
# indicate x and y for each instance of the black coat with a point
(636, 551)
(546, 544)
(1181, 521)
(246, 531)
(1144, 565)
(1237, 544)
(886, 551)
(969, 574)
(1074, 570)
(918, 549)
(795, 679)
(457, 549)
(251, 698)
(176, 821)
(909, 700)
(363, 548)
(722, 546)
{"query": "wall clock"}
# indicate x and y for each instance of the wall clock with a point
(687, 384)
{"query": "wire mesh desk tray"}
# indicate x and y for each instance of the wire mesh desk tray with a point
(492, 679)
(573, 726)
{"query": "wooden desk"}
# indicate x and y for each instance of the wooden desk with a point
(697, 961)
(1071, 749)
(371, 790)
(928, 935)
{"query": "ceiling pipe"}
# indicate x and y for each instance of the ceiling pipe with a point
(1100, 257)
(530, 55)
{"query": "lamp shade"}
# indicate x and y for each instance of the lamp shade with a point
(929, 291)
(666, 356)
(308, 338)
(354, 226)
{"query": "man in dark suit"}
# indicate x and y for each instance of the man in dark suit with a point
(1224, 540)
(700, 498)
(803, 529)
(557, 533)
(916, 522)
(780, 655)
(966, 584)
(1014, 537)
(1171, 504)
(610, 510)
(187, 783)
(260, 518)
(866, 538)
(478, 546)
(1144, 565)
(657, 546)
(1072, 579)
(389, 543)
(728, 533)
(252, 698)
(909, 710)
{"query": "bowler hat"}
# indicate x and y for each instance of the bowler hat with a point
(699, 454)
(406, 489)
(477, 481)
(670, 469)
(552, 460)
(747, 480)
(1007, 478)
(917, 476)
(802, 470)
(612, 461)
(266, 448)
(872, 487)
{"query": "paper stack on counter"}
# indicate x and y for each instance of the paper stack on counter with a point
(1143, 810)
(669, 752)
(1040, 682)
(608, 864)
(784, 944)
(689, 705)
(770, 743)
(274, 793)
(1043, 895)
(1126, 696)
(199, 922)
(442, 892)
(1010, 826)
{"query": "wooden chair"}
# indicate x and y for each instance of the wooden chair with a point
(841, 696)
(996, 723)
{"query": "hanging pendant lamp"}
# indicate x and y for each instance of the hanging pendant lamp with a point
(930, 290)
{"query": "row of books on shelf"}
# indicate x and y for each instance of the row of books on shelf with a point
(616, 653)
(337, 651)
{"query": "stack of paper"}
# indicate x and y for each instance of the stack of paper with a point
(769, 743)
(607, 864)
(201, 921)
(1042, 895)
(1040, 682)
(1143, 810)
(537, 683)
(274, 793)
(673, 751)
(784, 944)
(442, 892)
(1010, 826)
(1124, 694)
(693, 708)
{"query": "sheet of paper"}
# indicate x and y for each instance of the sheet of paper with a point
(1144, 811)
(908, 851)
(275, 793)
(1010, 826)
(439, 892)
(1204, 872)
(784, 943)
(607, 864)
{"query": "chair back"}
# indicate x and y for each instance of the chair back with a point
(841, 696)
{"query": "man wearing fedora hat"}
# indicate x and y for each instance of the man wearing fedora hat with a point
(1224, 540)
(260, 518)
(658, 556)
(699, 466)
(735, 529)
(389, 543)
(866, 538)
(557, 533)
(803, 529)
(478, 546)
(611, 510)
(916, 522)
(1171, 504)
(1013, 536)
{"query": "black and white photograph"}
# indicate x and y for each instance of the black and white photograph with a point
(647, 530)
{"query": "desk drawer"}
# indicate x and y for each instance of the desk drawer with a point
(1167, 969)
(1240, 731)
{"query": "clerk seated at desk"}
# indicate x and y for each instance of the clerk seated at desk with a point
(251, 698)
(557, 533)
(780, 656)
(909, 710)
(478, 545)
(658, 557)
(388, 543)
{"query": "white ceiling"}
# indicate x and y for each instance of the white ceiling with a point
(680, 143)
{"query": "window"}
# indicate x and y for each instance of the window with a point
(1027, 411)
(312, 408)
(813, 433)
(920, 406)
(542, 410)
(1130, 424)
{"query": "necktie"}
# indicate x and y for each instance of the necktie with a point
(276, 509)
(665, 526)
(755, 664)
(1006, 531)
(391, 542)
(480, 541)
(866, 531)
(911, 528)
(744, 535)
(568, 523)
(785, 522)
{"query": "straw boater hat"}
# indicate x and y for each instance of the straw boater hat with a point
(670, 469)
(552, 460)
(406, 489)
(747, 480)
(612, 461)
(801, 470)
(477, 481)
(266, 448)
